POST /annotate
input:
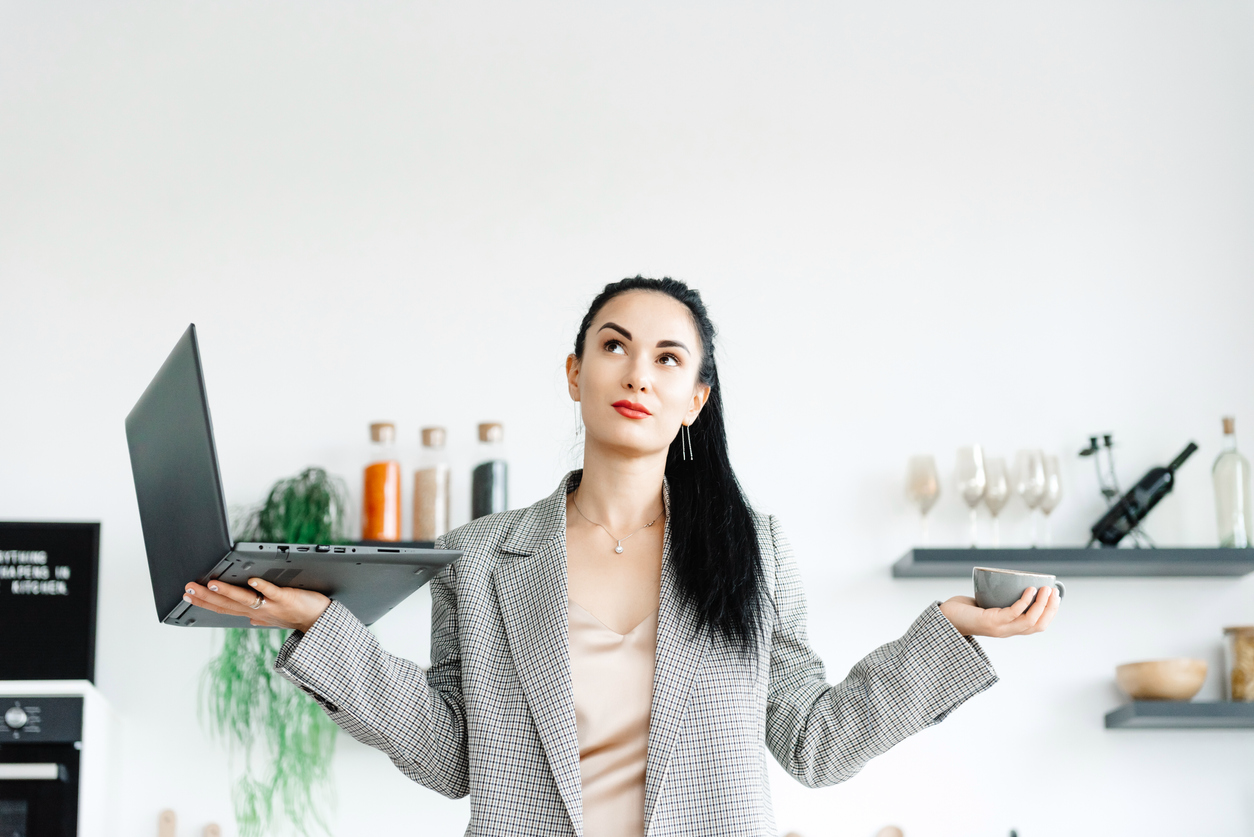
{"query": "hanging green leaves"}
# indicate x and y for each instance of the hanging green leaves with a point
(281, 735)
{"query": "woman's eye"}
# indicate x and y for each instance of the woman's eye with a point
(668, 360)
(614, 346)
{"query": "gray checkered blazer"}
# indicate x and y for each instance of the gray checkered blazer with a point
(493, 716)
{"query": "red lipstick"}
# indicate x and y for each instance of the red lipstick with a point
(631, 409)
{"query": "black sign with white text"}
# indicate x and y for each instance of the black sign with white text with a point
(48, 575)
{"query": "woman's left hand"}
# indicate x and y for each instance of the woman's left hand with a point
(276, 607)
(1019, 618)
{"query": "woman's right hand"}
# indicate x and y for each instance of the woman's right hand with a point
(1030, 615)
(281, 607)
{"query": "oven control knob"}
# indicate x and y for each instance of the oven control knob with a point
(15, 717)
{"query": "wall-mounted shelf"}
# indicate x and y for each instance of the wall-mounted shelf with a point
(1071, 562)
(1170, 714)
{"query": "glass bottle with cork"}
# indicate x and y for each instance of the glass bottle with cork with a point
(381, 494)
(1231, 474)
(489, 483)
(431, 487)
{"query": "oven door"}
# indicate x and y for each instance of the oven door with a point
(38, 790)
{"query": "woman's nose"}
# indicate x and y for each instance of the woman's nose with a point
(637, 380)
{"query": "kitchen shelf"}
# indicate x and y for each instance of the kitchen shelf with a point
(1071, 562)
(1171, 714)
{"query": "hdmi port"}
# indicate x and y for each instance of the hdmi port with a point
(381, 549)
(302, 549)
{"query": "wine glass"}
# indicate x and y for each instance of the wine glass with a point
(923, 486)
(1030, 482)
(1053, 491)
(971, 480)
(997, 492)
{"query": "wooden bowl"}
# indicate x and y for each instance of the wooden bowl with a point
(1176, 679)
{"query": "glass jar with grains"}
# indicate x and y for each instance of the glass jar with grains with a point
(1239, 656)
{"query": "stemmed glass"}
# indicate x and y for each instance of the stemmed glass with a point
(923, 486)
(997, 492)
(971, 480)
(1053, 492)
(1030, 482)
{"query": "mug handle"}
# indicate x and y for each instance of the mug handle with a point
(1061, 588)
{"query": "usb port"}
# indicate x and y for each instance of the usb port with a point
(322, 548)
(339, 549)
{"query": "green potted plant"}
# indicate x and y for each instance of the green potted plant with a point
(278, 738)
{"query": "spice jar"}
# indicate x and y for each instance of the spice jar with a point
(489, 481)
(381, 493)
(431, 487)
(1239, 656)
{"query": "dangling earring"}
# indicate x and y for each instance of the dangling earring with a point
(686, 444)
(578, 419)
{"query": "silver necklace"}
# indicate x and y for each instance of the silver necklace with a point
(619, 547)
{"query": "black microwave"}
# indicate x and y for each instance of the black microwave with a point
(40, 748)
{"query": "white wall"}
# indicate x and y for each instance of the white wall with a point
(918, 225)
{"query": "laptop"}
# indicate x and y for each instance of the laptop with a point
(183, 513)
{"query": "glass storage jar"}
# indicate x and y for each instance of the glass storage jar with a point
(1239, 660)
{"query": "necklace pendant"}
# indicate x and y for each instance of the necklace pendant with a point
(619, 548)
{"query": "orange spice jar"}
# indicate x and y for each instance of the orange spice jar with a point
(381, 494)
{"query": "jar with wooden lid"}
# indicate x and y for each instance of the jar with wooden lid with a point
(431, 487)
(490, 480)
(1239, 656)
(381, 491)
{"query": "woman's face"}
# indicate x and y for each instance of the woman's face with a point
(637, 379)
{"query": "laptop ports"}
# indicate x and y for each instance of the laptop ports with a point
(339, 549)
(322, 548)
(282, 547)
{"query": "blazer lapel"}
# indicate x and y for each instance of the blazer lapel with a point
(532, 594)
(680, 648)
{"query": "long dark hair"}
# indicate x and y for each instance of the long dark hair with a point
(714, 542)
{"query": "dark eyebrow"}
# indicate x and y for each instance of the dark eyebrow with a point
(667, 344)
(617, 328)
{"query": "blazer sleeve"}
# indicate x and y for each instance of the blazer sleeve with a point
(417, 718)
(823, 733)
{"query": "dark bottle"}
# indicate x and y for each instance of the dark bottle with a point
(489, 492)
(1137, 503)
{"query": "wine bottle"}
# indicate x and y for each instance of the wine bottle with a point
(1132, 508)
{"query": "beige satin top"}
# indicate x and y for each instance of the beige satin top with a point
(613, 685)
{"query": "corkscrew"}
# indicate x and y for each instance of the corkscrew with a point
(1107, 480)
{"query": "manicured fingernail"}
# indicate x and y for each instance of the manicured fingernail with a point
(253, 582)
(187, 598)
(190, 591)
(213, 587)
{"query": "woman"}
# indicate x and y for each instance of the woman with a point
(611, 660)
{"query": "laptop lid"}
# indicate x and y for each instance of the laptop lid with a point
(177, 482)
